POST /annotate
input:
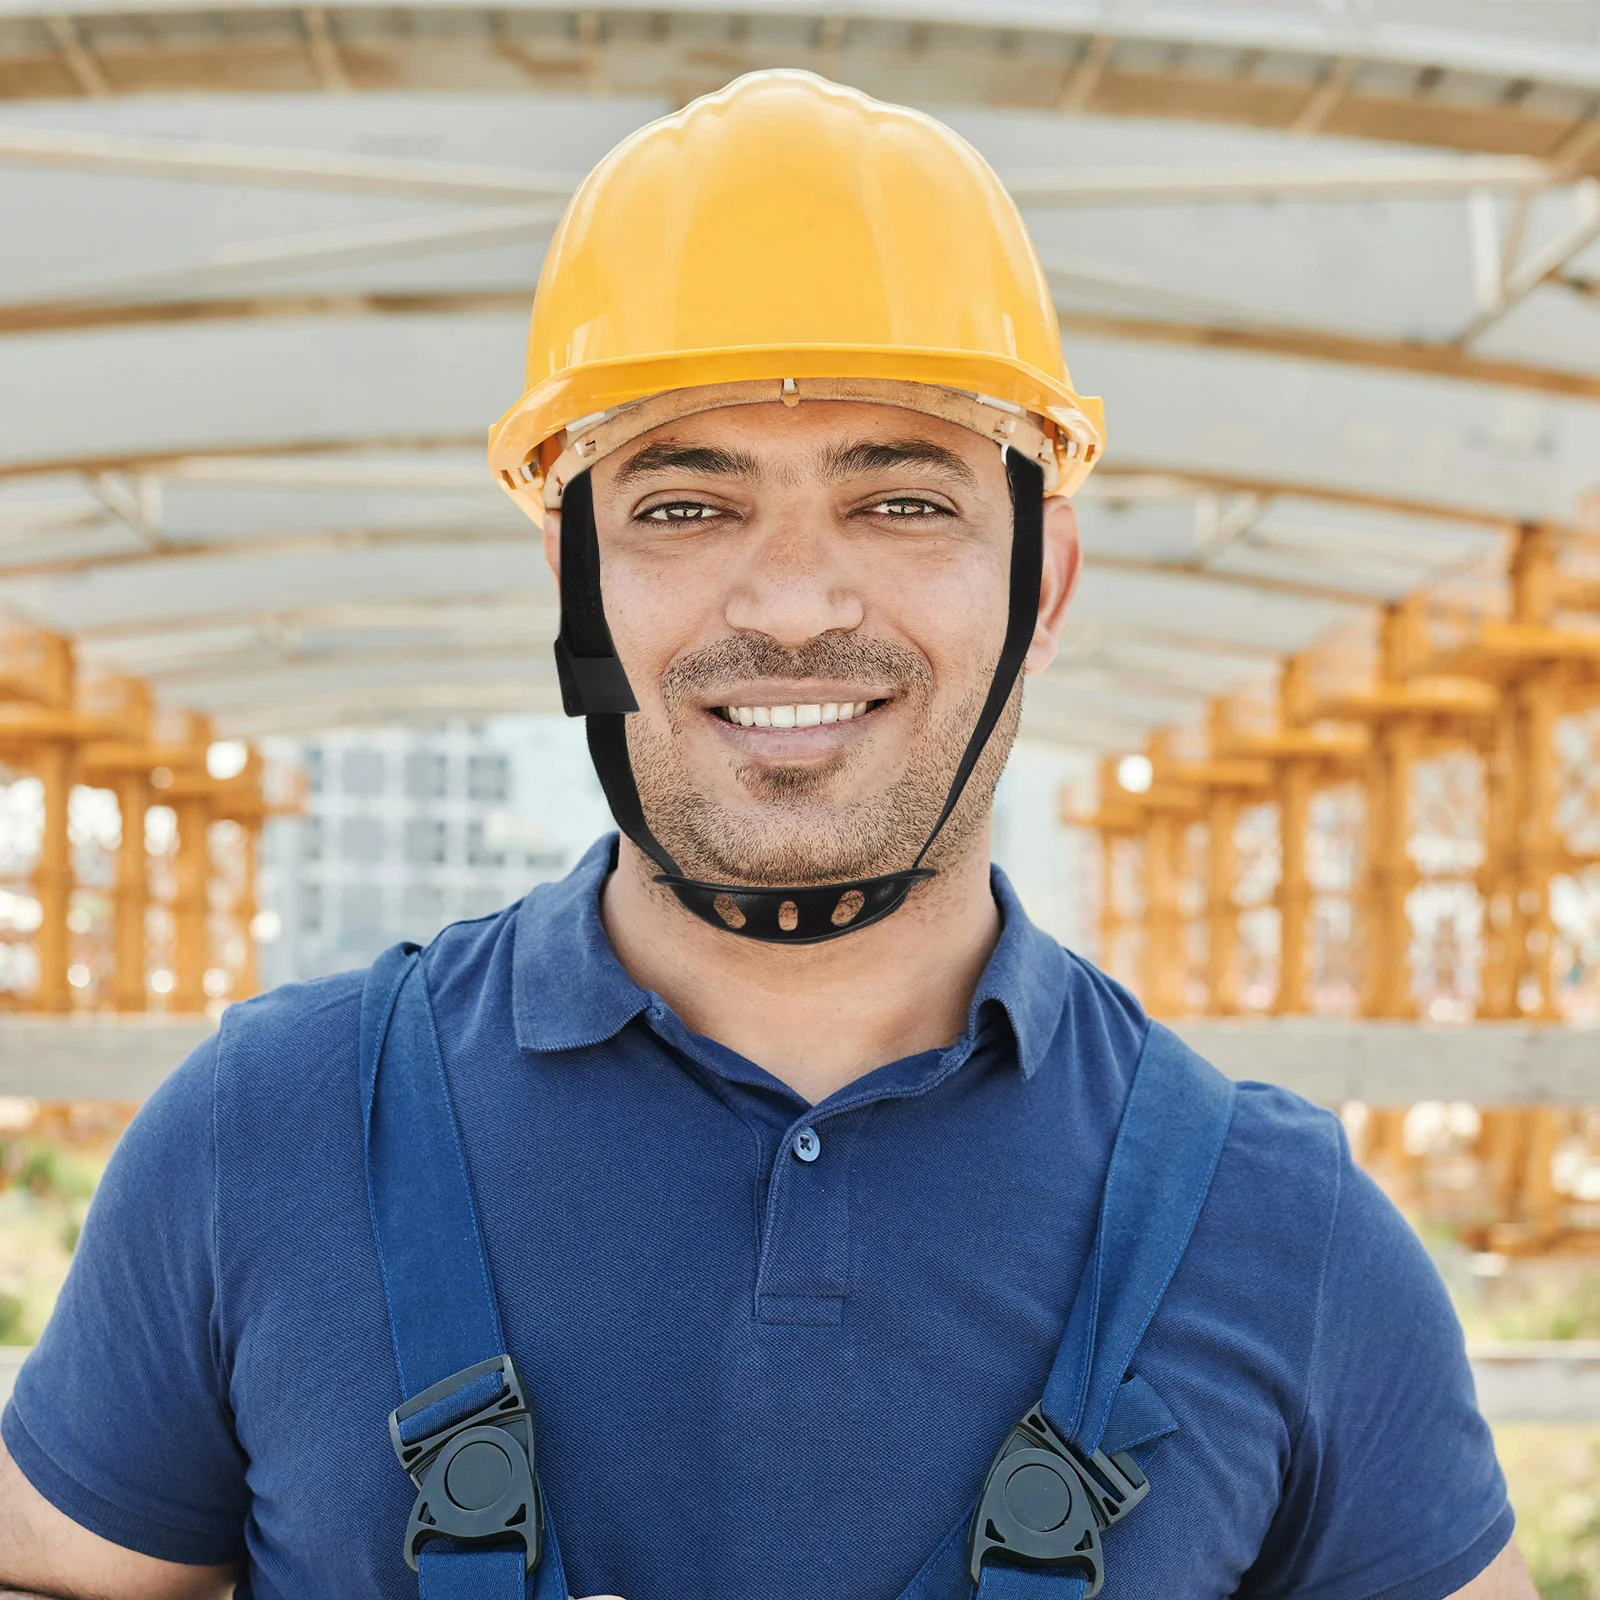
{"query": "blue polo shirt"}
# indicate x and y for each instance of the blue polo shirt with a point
(754, 1375)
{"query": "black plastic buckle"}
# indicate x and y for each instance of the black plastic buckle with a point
(475, 1475)
(1044, 1506)
(592, 685)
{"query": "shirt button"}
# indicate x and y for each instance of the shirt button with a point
(807, 1146)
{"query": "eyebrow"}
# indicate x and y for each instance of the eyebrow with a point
(665, 456)
(845, 461)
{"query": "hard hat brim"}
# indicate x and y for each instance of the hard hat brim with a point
(582, 391)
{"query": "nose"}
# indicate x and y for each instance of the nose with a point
(793, 587)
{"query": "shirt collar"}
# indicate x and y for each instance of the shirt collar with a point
(570, 989)
(1026, 977)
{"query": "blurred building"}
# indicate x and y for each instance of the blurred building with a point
(408, 829)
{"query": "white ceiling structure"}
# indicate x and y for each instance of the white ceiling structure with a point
(265, 269)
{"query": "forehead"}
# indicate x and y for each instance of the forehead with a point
(808, 439)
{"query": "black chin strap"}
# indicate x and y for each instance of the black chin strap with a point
(593, 685)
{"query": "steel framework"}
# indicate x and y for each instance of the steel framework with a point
(1409, 830)
(131, 842)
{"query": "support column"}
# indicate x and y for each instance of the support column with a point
(249, 979)
(1108, 905)
(1222, 910)
(1388, 927)
(52, 879)
(1532, 926)
(1497, 877)
(191, 904)
(131, 897)
(1535, 700)
(1163, 951)
(1109, 920)
(1294, 889)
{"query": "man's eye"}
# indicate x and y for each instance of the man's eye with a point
(903, 506)
(681, 511)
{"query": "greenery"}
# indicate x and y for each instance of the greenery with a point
(1554, 1473)
(44, 1195)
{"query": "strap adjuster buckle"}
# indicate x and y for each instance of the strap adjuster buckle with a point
(1044, 1506)
(467, 1444)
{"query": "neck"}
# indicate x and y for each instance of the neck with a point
(817, 1017)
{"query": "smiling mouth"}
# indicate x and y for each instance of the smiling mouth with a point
(813, 715)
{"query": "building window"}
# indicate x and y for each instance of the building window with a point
(361, 907)
(479, 854)
(315, 767)
(361, 840)
(489, 778)
(423, 907)
(427, 842)
(311, 839)
(483, 902)
(363, 771)
(427, 775)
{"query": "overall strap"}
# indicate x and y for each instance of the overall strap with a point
(1171, 1136)
(464, 1432)
(1173, 1127)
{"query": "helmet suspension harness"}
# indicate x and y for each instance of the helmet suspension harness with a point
(594, 686)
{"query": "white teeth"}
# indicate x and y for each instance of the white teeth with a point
(806, 716)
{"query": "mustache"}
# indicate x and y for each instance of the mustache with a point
(829, 655)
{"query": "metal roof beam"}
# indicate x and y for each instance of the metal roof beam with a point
(1398, 176)
(86, 71)
(1362, 598)
(278, 168)
(207, 673)
(106, 311)
(286, 544)
(1422, 358)
(1545, 263)
(438, 612)
(323, 49)
(339, 247)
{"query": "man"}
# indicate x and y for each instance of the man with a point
(747, 1190)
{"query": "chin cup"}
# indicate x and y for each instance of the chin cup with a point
(804, 915)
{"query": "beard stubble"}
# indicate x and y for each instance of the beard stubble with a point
(804, 828)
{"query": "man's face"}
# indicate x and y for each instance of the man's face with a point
(809, 604)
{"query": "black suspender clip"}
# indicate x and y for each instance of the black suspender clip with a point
(471, 1460)
(1044, 1505)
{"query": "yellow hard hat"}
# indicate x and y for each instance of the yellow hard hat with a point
(789, 238)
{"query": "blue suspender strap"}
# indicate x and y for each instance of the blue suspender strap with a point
(1173, 1128)
(1177, 1117)
(465, 1431)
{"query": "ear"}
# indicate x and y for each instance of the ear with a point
(552, 544)
(1063, 558)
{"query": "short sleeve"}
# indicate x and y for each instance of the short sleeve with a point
(120, 1415)
(1393, 1490)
